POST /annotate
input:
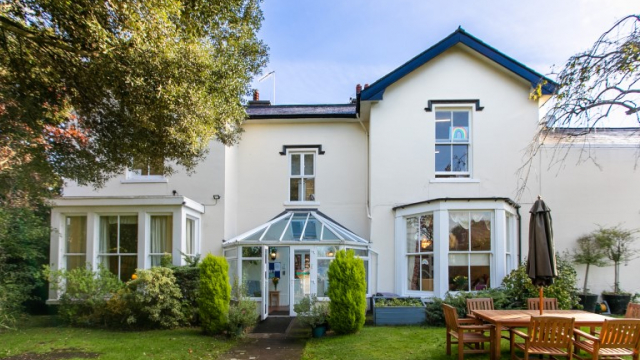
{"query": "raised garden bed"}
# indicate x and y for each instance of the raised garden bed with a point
(398, 311)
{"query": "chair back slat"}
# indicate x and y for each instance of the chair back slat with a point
(633, 311)
(547, 303)
(551, 331)
(479, 304)
(620, 333)
(450, 317)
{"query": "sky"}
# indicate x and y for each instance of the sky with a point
(320, 50)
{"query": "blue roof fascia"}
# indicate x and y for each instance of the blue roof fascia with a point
(376, 90)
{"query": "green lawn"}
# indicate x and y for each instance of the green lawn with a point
(389, 343)
(39, 337)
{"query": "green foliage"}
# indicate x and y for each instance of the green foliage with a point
(347, 291)
(24, 243)
(151, 301)
(166, 260)
(518, 286)
(390, 302)
(617, 244)
(214, 294)
(435, 316)
(312, 312)
(149, 80)
(191, 260)
(588, 252)
(242, 311)
(188, 279)
(83, 294)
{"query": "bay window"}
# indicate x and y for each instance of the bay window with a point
(75, 247)
(469, 250)
(420, 270)
(118, 244)
(161, 236)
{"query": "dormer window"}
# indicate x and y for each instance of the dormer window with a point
(453, 143)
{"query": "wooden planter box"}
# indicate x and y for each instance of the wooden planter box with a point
(398, 315)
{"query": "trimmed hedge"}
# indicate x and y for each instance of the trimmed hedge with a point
(214, 294)
(348, 292)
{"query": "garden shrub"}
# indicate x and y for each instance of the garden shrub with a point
(242, 311)
(151, 301)
(83, 294)
(435, 316)
(347, 291)
(214, 294)
(188, 279)
(518, 286)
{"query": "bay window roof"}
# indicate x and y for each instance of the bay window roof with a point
(299, 226)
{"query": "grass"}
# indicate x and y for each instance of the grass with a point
(39, 336)
(389, 343)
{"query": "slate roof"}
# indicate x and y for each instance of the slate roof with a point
(376, 90)
(595, 136)
(302, 111)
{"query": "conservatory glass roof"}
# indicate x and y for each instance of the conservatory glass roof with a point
(300, 226)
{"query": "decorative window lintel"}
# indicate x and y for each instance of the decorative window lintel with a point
(429, 107)
(286, 147)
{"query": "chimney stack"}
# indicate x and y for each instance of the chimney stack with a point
(358, 89)
(256, 95)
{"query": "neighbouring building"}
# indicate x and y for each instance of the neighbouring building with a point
(418, 176)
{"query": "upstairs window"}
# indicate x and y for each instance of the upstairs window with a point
(453, 143)
(146, 169)
(302, 176)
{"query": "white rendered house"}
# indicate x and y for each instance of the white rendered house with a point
(417, 176)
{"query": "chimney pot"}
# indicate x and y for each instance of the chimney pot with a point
(256, 95)
(358, 89)
(366, 86)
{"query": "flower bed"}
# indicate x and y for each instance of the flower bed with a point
(398, 311)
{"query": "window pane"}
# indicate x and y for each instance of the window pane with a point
(309, 189)
(323, 278)
(76, 234)
(443, 125)
(460, 157)
(109, 234)
(480, 270)
(233, 271)
(480, 231)
(366, 275)
(127, 267)
(191, 237)
(295, 164)
(128, 234)
(443, 157)
(252, 251)
(458, 272)
(426, 272)
(461, 118)
(251, 271)
(308, 164)
(275, 230)
(426, 233)
(161, 234)
(294, 189)
(413, 272)
(458, 231)
(111, 263)
(312, 231)
(75, 261)
(413, 245)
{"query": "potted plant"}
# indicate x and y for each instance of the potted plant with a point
(617, 244)
(398, 311)
(313, 313)
(588, 253)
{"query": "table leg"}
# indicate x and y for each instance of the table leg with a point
(496, 341)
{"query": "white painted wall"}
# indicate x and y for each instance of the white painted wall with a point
(402, 140)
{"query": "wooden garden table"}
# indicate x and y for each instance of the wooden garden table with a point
(520, 318)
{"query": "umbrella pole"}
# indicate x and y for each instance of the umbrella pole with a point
(541, 302)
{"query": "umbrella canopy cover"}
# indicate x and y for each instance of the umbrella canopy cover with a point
(541, 264)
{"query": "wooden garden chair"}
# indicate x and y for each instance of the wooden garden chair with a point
(633, 311)
(549, 336)
(469, 334)
(618, 337)
(482, 304)
(547, 303)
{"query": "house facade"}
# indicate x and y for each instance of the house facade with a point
(418, 176)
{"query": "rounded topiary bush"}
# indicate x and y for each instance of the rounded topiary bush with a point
(214, 294)
(348, 293)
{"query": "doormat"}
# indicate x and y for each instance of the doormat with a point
(273, 325)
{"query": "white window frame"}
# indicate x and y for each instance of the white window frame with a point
(470, 252)
(196, 236)
(119, 255)
(149, 230)
(135, 175)
(302, 195)
(454, 174)
(420, 253)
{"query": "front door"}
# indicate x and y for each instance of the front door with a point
(303, 279)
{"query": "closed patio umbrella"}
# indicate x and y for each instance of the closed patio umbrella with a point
(541, 262)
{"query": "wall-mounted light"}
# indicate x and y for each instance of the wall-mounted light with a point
(273, 254)
(330, 253)
(425, 243)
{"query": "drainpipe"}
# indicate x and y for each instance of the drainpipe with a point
(519, 234)
(368, 205)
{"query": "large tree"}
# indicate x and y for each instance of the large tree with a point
(87, 86)
(594, 88)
